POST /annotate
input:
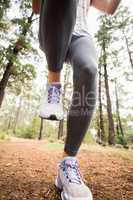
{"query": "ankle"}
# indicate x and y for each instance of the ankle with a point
(54, 83)
(53, 77)
(65, 154)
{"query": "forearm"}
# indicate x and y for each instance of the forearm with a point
(113, 4)
(36, 6)
(108, 6)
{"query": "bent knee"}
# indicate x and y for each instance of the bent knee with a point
(90, 69)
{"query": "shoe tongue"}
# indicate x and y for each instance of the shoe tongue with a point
(74, 174)
(70, 161)
(54, 84)
(54, 91)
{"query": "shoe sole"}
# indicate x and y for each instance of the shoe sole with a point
(60, 187)
(52, 118)
(58, 184)
(71, 198)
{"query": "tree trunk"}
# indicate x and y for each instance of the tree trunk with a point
(128, 50)
(17, 115)
(2, 93)
(66, 83)
(60, 131)
(111, 137)
(41, 129)
(101, 120)
(120, 128)
(18, 47)
(4, 80)
(9, 124)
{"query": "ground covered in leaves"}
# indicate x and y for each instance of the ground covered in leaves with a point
(28, 170)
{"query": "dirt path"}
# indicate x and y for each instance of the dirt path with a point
(27, 172)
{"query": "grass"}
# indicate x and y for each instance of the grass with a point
(58, 146)
(4, 136)
(126, 154)
(52, 146)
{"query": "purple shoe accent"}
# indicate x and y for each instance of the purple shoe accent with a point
(54, 92)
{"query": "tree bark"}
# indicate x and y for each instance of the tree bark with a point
(111, 137)
(120, 127)
(17, 115)
(18, 47)
(101, 120)
(60, 131)
(128, 50)
(41, 129)
(2, 94)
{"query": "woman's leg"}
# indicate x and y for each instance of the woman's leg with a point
(57, 20)
(83, 57)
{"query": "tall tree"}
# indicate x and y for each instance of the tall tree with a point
(119, 123)
(66, 86)
(123, 21)
(104, 39)
(12, 64)
(101, 132)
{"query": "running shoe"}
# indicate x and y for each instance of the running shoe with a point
(69, 180)
(51, 106)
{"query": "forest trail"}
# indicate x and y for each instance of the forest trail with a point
(28, 171)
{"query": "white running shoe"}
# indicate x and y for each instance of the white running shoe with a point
(70, 182)
(51, 106)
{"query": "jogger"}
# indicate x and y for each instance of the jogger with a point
(59, 45)
(64, 37)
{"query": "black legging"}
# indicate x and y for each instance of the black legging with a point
(80, 52)
(56, 25)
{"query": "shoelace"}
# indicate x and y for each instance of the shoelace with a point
(71, 172)
(53, 94)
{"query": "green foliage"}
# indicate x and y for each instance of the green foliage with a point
(121, 140)
(30, 131)
(89, 139)
(4, 5)
(129, 137)
(50, 131)
(26, 6)
(22, 72)
(54, 146)
(25, 132)
(21, 75)
(4, 136)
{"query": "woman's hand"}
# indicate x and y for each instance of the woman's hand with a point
(36, 6)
